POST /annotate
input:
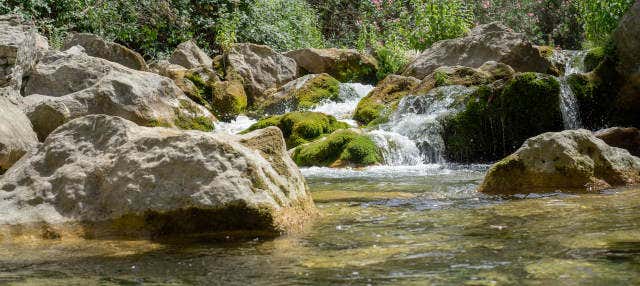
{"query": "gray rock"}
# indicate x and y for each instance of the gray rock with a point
(114, 177)
(625, 138)
(16, 135)
(489, 42)
(20, 48)
(71, 84)
(568, 161)
(97, 47)
(346, 65)
(261, 69)
(190, 56)
(628, 42)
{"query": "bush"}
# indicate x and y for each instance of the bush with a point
(600, 18)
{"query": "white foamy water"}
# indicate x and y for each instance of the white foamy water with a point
(385, 171)
(343, 109)
(236, 126)
(396, 149)
(574, 63)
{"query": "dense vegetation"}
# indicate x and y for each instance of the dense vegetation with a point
(385, 27)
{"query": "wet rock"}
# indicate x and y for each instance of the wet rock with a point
(627, 45)
(458, 75)
(489, 42)
(625, 138)
(261, 69)
(97, 47)
(190, 56)
(301, 127)
(71, 84)
(16, 135)
(568, 161)
(342, 148)
(113, 177)
(303, 93)
(346, 65)
(380, 103)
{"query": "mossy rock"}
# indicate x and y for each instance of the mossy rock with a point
(593, 58)
(190, 120)
(225, 99)
(383, 100)
(339, 149)
(346, 65)
(498, 119)
(304, 93)
(301, 127)
(459, 75)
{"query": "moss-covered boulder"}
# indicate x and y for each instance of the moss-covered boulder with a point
(302, 94)
(343, 64)
(498, 118)
(341, 148)
(380, 103)
(225, 99)
(459, 75)
(568, 161)
(301, 127)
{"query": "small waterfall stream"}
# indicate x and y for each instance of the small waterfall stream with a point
(350, 96)
(574, 63)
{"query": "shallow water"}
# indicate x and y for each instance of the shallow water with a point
(382, 226)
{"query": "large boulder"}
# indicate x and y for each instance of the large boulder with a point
(16, 135)
(459, 75)
(380, 103)
(71, 84)
(20, 48)
(190, 56)
(97, 47)
(303, 93)
(346, 65)
(489, 42)
(568, 161)
(625, 138)
(109, 176)
(261, 69)
(627, 44)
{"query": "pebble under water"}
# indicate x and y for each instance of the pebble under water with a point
(415, 225)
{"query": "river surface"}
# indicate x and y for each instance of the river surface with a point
(417, 225)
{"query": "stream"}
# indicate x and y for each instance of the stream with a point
(416, 220)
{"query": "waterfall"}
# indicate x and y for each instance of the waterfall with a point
(419, 120)
(236, 126)
(343, 108)
(574, 63)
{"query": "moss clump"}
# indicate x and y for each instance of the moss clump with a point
(316, 90)
(593, 58)
(301, 127)
(355, 68)
(187, 118)
(225, 99)
(497, 120)
(378, 105)
(341, 148)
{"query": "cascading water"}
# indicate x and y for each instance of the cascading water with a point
(236, 126)
(574, 63)
(414, 133)
(350, 95)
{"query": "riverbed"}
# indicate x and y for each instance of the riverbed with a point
(385, 225)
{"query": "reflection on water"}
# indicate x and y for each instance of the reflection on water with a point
(379, 226)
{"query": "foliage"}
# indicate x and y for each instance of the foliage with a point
(281, 24)
(600, 18)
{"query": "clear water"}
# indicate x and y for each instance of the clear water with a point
(416, 225)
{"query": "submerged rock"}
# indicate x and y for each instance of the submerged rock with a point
(261, 69)
(343, 64)
(70, 84)
(301, 127)
(347, 147)
(625, 138)
(97, 47)
(303, 93)
(568, 161)
(380, 103)
(190, 56)
(489, 42)
(110, 177)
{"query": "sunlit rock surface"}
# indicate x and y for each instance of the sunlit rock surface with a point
(107, 176)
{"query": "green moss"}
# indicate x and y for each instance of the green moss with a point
(352, 68)
(441, 78)
(343, 147)
(593, 58)
(316, 90)
(496, 122)
(546, 51)
(191, 121)
(301, 127)
(378, 105)
(202, 90)
(228, 100)
(158, 123)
